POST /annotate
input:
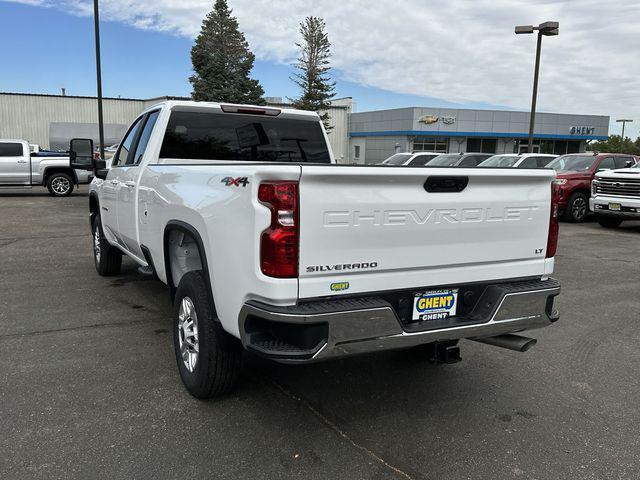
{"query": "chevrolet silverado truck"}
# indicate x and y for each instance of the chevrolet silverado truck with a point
(575, 172)
(19, 167)
(267, 245)
(615, 196)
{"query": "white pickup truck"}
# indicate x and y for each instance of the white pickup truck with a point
(266, 244)
(615, 196)
(19, 167)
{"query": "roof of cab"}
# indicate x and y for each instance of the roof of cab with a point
(188, 104)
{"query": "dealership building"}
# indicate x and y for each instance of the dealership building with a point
(363, 137)
(377, 135)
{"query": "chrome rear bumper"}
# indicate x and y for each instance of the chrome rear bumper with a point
(340, 327)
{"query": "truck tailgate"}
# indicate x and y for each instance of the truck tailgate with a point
(371, 229)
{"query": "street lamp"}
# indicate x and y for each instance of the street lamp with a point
(96, 26)
(624, 122)
(547, 29)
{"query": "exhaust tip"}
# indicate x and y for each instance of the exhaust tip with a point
(509, 341)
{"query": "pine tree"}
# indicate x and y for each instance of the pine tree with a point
(313, 78)
(222, 61)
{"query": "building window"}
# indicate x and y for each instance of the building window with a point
(356, 151)
(484, 145)
(430, 144)
(557, 147)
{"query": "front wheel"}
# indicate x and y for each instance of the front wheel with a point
(209, 359)
(60, 185)
(608, 222)
(577, 208)
(107, 258)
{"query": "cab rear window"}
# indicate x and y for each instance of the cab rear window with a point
(11, 150)
(237, 137)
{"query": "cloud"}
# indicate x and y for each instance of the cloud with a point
(455, 50)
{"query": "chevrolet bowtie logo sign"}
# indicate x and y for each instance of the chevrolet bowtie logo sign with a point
(429, 119)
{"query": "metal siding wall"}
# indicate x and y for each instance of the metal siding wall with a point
(339, 134)
(28, 116)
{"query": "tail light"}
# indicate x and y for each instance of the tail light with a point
(279, 243)
(552, 239)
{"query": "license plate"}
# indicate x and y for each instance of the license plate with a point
(435, 304)
(614, 207)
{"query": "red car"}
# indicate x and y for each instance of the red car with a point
(573, 182)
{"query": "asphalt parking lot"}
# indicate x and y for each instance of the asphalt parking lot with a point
(89, 386)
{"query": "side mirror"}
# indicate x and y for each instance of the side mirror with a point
(629, 164)
(81, 154)
(101, 169)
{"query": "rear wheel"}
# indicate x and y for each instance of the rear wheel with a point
(107, 258)
(60, 184)
(577, 208)
(209, 359)
(608, 222)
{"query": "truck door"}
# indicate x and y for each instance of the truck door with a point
(111, 186)
(15, 164)
(129, 176)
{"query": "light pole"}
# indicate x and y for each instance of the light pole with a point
(547, 29)
(96, 24)
(624, 122)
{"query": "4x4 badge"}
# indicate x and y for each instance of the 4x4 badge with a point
(235, 182)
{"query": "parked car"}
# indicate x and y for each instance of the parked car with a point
(514, 160)
(21, 168)
(575, 172)
(615, 196)
(416, 159)
(266, 244)
(458, 159)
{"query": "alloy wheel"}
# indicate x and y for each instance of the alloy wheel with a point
(188, 334)
(60, 185)
(96, 243)
(579, 208)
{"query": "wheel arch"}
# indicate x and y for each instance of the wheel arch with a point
(188, 230)
(94, 207)
(48, 171)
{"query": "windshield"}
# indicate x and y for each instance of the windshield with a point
(224, 136)
(500, 161)
(447, 160)
(397, 159)
(572, 163)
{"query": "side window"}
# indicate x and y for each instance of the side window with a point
(607, 164)
(123, 152)
(621, 162)
(418, 160)
(529, 162)
(144, 139)
(469, 161)
(11, 150)
(542, 162)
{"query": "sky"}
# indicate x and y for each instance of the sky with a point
(385, 53)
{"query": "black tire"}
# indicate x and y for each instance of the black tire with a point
(107, 258)
(60, 184)
(577, 208)
(216, 370)
(608, 222)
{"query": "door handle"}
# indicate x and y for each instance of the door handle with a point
(114, 182)
(22, 161)
(130, 184)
